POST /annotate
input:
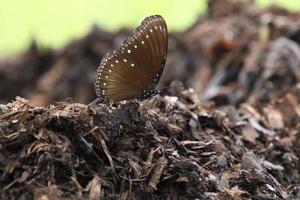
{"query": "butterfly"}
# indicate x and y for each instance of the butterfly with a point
(135, 69)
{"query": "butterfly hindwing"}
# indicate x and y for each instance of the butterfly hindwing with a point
(135, 69)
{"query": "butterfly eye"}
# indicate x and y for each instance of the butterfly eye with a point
(135, 69)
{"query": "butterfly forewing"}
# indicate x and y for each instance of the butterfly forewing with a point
(135, 69)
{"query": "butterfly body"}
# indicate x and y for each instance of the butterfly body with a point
(135, 69)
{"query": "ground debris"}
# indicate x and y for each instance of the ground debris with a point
(134, 150)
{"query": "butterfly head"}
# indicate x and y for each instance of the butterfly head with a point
(147, 94)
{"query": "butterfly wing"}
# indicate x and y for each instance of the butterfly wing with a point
(135, 69)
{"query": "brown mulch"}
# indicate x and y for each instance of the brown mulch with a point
(235, 135)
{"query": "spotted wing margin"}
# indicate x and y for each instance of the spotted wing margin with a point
(118, 77)
(147, 46)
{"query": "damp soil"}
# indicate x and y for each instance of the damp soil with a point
(232, 132)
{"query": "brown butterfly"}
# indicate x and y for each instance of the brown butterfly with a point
(134, 70)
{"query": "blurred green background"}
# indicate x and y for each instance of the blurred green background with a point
(53, 23)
